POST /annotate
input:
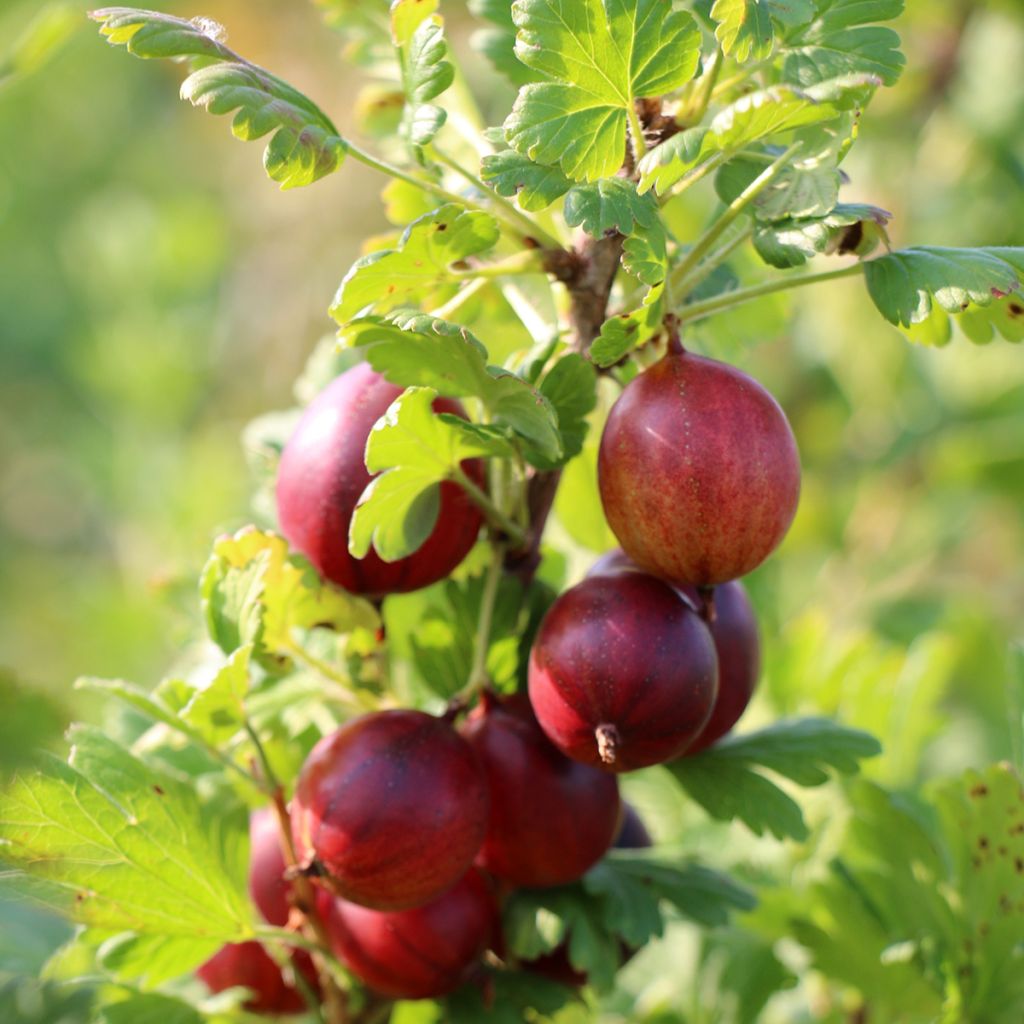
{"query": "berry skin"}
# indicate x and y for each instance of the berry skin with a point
(393, 806)
(267, 885)
(322, 476)
(734, 630)
(420, 953)
(733, 627)
(248, 965)
(551, 818)
(623, 673)
(698, 471)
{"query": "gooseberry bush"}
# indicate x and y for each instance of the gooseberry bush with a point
(393, 791)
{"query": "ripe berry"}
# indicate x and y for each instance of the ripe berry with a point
(551, 818)
(248, 965)
(623, 672)
(698, 471)
(734, 629)
(267, 884)
(393, 806)
(322, 475)
(420, 953)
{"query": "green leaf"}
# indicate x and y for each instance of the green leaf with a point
(45, 34)
(843, 40)
(727, 783)
(414, 450)
(571, 388)
(597, 59)
(418, 350)
(622, 333)
(804, 189)
(253, 592)
(116, 845)
(216, 710)
(305, 145)
(152, 960)
(443, 640)
(645, 254)
(506, 997)
(421, 263)
(406, 16)
(151, 1008)
(609, 205)
(904, 285)
(511, 174)
(744, 28)
(757, 117)
(425, 72)
(849, 228)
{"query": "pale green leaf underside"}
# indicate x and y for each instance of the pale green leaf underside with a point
(421, 263)
(627, 331)
(417, 350)
(847, 228)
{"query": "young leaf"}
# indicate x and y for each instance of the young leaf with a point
(849, 228)
(253, 592)
(609, 205)
(114, 844)
(905, 284)
(426, 74)
(806, 188)
(511, 174)
(726, 780)
(305, 146)
(414, 450)
(843, 40)
(744, 28)
(421, 263)
(622, 333)
(645, 254)
(597, 59)
(757, 117)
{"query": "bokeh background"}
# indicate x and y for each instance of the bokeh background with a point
(157, 292)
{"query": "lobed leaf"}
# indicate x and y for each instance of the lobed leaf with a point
(421, 263)
(624, 332)
(419, 350)
(597, 59)
(535, 185)
(726, 779)
(305, 145)
(608, 206)
(114, 844)
(906, 285)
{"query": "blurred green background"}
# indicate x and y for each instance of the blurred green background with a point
(157, 292)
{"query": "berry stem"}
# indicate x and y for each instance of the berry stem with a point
(608, 742)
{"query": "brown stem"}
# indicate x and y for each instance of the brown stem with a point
(588, 272)
(312, 925)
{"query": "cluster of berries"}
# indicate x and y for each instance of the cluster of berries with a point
(416, 828)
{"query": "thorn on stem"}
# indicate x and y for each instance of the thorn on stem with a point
(608, 740)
